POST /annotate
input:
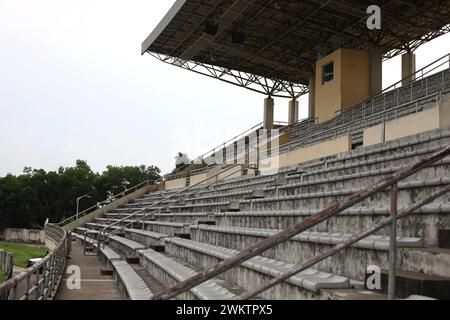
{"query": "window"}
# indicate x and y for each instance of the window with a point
(327, 72)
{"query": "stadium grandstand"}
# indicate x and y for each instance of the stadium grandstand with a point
(350, 203)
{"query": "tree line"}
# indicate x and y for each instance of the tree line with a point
(28, 199)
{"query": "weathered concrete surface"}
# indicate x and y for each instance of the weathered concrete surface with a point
(94, 285)
(23, 235)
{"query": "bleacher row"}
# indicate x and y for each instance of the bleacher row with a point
(403, 101)
(174, 240)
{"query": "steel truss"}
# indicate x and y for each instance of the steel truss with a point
(259, 84)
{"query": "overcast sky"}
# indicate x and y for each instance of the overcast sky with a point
(73, 85)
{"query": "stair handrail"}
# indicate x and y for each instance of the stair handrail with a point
(103, 233)
(222, 145)
(296, 228)
(297, 268)
(446, 56)
(106, 201)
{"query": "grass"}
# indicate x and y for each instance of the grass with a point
(2, 277)
(21, 252)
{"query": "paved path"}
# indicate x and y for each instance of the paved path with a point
(94, 285)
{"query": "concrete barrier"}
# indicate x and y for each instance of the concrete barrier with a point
(24, 235)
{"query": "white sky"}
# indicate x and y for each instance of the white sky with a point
(73, 85)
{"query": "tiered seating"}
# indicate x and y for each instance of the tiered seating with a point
(253, 271)
(170, 272)
(390, 105)
(212, 224)
(133, 283)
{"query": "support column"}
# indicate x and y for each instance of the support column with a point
(268, 113)
(408, 68)
(376, 71)
(293, 111)
(312, 98)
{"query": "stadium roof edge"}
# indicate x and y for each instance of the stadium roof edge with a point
(272, 46)
(176, 7)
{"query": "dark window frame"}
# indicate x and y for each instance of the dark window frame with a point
(328, 72)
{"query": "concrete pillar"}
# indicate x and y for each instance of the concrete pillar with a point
(312, 98)
(293, 111)
(408, 68)
(376, 71)
(268, 113)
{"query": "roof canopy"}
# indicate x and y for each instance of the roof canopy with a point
(271, 46)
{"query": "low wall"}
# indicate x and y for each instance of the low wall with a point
(429, 119)
(316, 151)
(175, 184)
(198, 178)
(24, 235)
(113, 205)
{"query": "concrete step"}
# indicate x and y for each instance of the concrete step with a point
(257, 270)
(126, 247)
(169, 272)
(132, 283)
(350, 262)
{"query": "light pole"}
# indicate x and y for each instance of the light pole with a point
(78, 202)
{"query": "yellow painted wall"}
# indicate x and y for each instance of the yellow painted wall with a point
(350, 85)
(198, 178)
(429, 119)
(355, 77)
(328, 96)
(412, 124)
(372, 135)
(176, 184)
(444, 113)
(320, 150)
(231, 173)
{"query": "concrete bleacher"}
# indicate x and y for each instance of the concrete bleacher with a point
(413, 98)
(174, 240)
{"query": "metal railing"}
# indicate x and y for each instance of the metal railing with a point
(360, 112)
(6, 264)
(363, 122)
(390, 181)
(41, 281)
(361, 107)
(223, 146)
(216, 177)
(435, 65)
(109, 200)
(383, 115)
(391, 221)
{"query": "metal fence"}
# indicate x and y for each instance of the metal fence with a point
(41, 281)
(6, 263)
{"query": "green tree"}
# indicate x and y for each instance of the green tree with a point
(28, 199)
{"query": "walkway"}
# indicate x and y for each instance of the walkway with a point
(94, 285)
